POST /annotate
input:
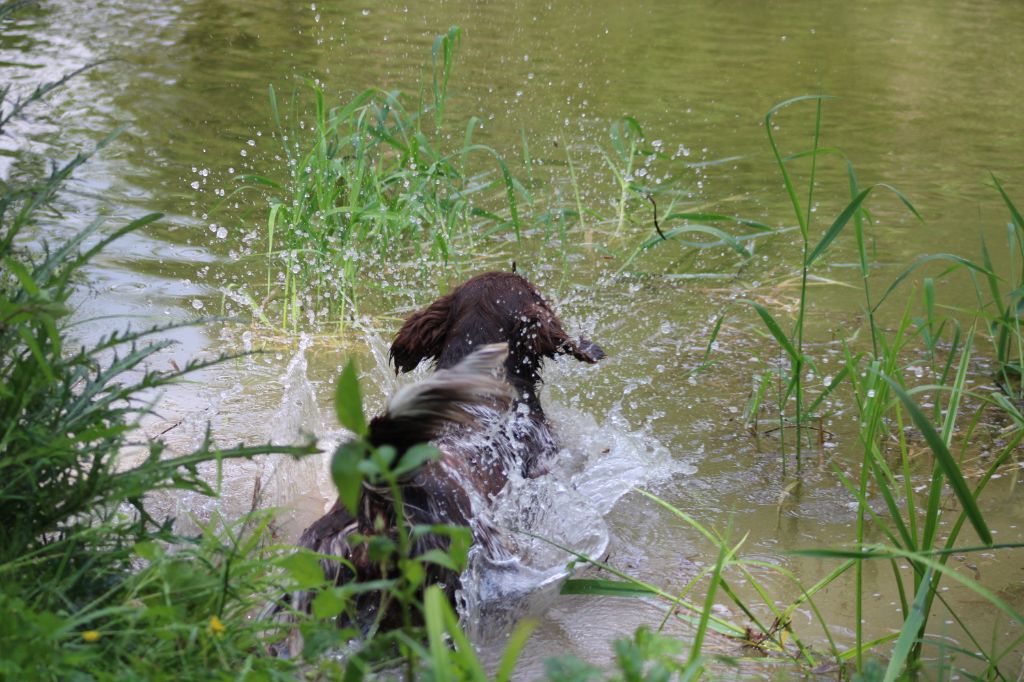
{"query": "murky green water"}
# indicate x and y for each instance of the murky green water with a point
(927, 98)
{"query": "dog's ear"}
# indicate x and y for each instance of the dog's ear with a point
(542, 332)
(422, 336)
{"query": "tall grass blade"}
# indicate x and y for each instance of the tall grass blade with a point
(513, 649)
(606, 588)
(847, 213)
(946, 462)
(1018, 221)
(434, 603)
(774, 329)
(956, 260)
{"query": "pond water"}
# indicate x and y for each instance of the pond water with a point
(927, 98)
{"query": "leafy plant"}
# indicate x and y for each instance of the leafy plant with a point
(75, 515)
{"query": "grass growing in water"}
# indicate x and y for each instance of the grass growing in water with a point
(914, 546)
(370, 184)
(65, 578)
(910, 519)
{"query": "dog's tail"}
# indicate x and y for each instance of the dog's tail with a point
(418, 413)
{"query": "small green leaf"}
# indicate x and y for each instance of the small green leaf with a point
(381, 548)
(385, 454)
(346, 473)
(946, 462)
(24, 278)
(460, 539)
(838, 225)
(415, 457)
(304, 568)
(774, 328)
(436, 556)
(413, 571)
(329, 603)
(148, 550)
(348, 401)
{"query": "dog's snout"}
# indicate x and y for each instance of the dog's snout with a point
(590, 351)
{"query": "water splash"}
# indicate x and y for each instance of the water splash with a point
(298, 487)
(601, 458)
(600, 461)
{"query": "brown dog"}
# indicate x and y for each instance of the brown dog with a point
(486, 426)
(496, 307)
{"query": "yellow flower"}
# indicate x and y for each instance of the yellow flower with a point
(216, 627)
(91, 635)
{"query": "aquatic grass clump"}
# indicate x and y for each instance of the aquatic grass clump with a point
(370, 185)
(920, 528)
(652, 187)
(885, 407)
(768, 635)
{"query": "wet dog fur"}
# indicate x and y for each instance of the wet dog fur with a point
(487, 338)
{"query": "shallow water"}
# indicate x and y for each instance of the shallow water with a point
(928, 99)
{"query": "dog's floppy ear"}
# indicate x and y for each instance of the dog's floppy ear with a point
(543, 333)
(422, 336)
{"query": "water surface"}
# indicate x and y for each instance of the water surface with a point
(927, 98)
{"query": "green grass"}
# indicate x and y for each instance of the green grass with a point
(375, 188)
(885, 404)
(87, 580)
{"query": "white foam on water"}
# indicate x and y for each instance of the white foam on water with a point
(600, 461)
(288, 483)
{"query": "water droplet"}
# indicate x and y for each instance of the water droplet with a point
(197, 304)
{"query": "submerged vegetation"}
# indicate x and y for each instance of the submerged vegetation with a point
(93, 587)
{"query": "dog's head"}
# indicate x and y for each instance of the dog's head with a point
(494, 307)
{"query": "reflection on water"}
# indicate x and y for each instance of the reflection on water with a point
(928, 99)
